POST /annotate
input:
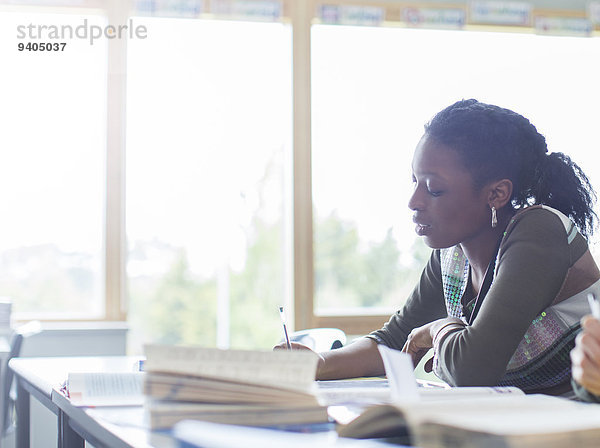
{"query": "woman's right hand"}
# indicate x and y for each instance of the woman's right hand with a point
(360, 358)
(298, 346)
(295, 346)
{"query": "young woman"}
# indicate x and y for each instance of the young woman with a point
(505, 287)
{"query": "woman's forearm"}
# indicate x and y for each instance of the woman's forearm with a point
(361, 358)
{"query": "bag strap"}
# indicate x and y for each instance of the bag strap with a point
(485, 286)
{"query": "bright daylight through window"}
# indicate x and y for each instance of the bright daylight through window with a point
(208, 181)
(52, 173)
(373, 90)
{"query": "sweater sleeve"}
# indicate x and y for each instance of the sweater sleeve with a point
(533, 262)
(425, 304)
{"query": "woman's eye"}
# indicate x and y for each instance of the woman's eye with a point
(435, 193)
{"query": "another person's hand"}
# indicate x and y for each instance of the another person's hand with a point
(585, 357)
(298, 346)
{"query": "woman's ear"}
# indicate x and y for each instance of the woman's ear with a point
(500, 193)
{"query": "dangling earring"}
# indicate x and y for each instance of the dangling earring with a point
(494, 217)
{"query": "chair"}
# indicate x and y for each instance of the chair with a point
(320, 339)
(7, 397)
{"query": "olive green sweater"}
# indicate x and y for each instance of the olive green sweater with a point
(542, 263)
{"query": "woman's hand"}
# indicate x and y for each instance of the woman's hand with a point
(585, 357)
(298, 346)
(420, 339)
(418, 343)
(295, 346)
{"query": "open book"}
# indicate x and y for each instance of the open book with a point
(105, 388)
(384, 417)
(469, 417)
(243, 387)
(515, 421)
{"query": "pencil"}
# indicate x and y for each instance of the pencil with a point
(594, 305)
(285, 333)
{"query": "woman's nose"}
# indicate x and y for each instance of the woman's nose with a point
(415, 202)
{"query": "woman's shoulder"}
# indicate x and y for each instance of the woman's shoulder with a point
(545, 224)
(541, 215)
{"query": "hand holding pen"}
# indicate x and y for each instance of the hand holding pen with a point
(287, 344)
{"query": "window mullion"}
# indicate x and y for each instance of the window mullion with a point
(115, 241)
(302, 12)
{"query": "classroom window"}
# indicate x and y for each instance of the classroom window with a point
(52, 172)
(208, 181)
(373, 90)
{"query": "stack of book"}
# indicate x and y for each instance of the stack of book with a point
(244, 387)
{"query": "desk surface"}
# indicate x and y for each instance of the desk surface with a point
(115, 427)
(110, 426)
(49, 373)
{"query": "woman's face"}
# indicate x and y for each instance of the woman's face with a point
(447, 208)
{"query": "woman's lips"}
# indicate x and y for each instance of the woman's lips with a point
(422, 229)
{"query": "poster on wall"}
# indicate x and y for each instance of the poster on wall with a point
(452, 18)
(563, 26)
(500, 13)
(351, 15)
(166, 8)
(594, 12)
(269, 10)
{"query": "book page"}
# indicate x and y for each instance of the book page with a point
(400, 372)
(285, 369)
(106, 388)
(500, 414)
(164, 386)
(532, 420)
(358, 391)
(453, 393)
(166, 414)
(443, 405)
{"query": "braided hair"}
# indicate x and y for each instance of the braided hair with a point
(497, 143)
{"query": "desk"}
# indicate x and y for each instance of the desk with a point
(41, 378)
(110, 427)
(4, 353)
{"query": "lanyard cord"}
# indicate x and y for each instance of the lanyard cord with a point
(485, 286)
